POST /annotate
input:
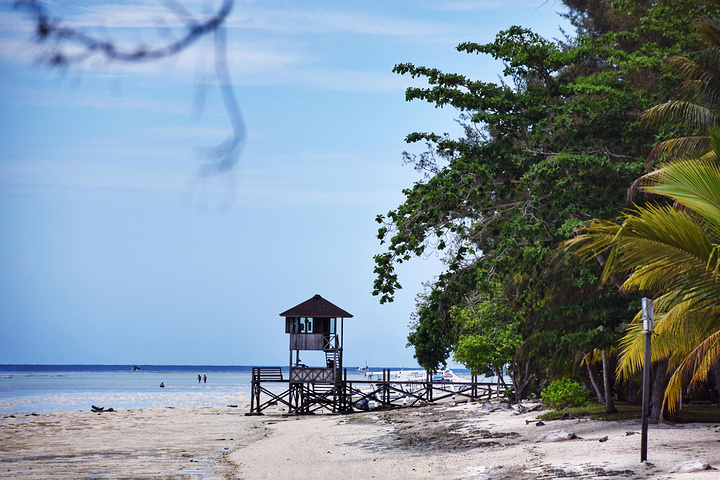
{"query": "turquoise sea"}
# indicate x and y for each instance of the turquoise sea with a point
(35, 388)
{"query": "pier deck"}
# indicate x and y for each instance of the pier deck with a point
(348, 395)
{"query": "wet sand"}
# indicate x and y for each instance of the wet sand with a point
(443, 441)
(157, 443)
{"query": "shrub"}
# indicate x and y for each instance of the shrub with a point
(565, 393)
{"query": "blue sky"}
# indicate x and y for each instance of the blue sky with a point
(113, 250)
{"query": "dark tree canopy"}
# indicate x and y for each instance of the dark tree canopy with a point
(556, 144)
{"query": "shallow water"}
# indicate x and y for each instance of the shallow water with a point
(39, 388)
(46, 388)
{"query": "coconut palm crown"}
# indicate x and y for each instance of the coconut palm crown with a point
(697, 105)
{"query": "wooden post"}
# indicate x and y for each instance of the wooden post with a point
(648, 324)
(252, 391)
(384, 386)
(430, 387)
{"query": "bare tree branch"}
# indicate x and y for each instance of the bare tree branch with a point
(49, 29)
(65, 46)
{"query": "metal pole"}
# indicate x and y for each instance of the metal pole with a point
(645, 399)
(648, 324)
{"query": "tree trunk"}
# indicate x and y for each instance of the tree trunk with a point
(716, 374)
(631, 391)
(659, 385)
(615, 279)
(594, 385)
(521, 377)
(609, 398)
(501, 377)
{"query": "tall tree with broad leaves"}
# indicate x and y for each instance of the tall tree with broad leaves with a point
(555, 144)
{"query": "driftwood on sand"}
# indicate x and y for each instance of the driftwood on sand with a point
(101, 409)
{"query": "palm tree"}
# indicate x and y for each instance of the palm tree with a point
(673, 252)
(698, 105)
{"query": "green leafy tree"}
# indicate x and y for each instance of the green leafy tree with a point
(489, 336)
(554, 145)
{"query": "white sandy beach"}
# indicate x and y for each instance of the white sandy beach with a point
(442, 441)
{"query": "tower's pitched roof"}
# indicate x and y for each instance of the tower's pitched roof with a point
(316, 307)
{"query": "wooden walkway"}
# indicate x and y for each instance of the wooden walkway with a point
(349, 395)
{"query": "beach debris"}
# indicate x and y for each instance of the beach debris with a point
(536, 421)
(494, 406)
(603, 439)
(627, 434)
(567, 416)
(525, 408)
(691, 466)
(101, 409)
(547, 471)
(556, 436)
(539, 423)
(531, 407)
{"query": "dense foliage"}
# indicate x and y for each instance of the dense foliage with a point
(556, 144)
(674, 254)
(565, 393)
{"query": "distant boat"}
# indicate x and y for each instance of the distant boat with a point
(445, 375)
(408, 382)
(135, 368)
(363, 369)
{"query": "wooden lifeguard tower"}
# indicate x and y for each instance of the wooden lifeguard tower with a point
(316, 325)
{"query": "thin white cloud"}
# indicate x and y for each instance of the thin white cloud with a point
(266, 46)
(132, 15)
(144, 17)
(78, 97)
(490, 5)
(330, 79)
(13, 22)
(305, 179)
(335, 21)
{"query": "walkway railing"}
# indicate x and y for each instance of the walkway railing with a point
(349, 394)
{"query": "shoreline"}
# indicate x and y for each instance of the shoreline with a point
(461, 441)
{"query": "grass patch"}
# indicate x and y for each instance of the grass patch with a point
(596, 411)
(697, 414)
(626, 411)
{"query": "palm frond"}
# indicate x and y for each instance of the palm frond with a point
(675, 149)
(693, 370)
(689, 113)
(710, 30)
(693, 183)
(595, 356)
